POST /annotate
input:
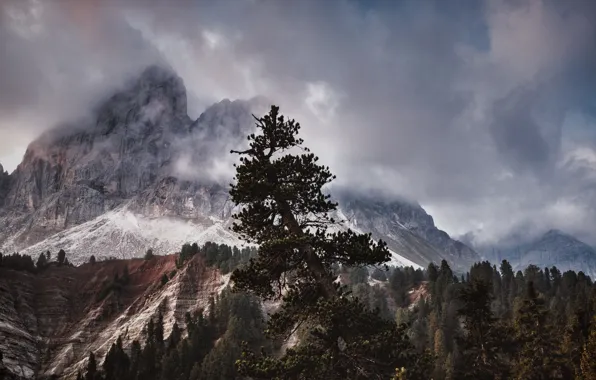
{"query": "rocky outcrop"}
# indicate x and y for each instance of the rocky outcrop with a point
(139, 174)
(52, 320)
(140, 151)
(4, 184)
(407, 229)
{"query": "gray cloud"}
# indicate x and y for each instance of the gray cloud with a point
(472, 108)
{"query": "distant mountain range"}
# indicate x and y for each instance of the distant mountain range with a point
(554, 248)
(141, 174)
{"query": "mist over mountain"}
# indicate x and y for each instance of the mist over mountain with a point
(553, 248)
(141, 174)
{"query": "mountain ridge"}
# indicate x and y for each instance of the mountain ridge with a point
(552, 248)
(142, 166)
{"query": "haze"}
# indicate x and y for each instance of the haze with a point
(483, 111)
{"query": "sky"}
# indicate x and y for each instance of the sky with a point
(484, 111)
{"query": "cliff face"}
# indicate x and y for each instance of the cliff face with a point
(139, 152)
(139, 174)
(407, 229)
(52, 320)
(4, 185)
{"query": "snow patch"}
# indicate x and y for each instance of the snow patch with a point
(123, 234)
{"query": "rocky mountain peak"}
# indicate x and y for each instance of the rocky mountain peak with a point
(138, 173)
(387, 217)
(136, 151)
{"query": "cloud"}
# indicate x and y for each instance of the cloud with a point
(479, 110)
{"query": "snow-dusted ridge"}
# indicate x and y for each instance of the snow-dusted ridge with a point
(124, 234)
(141, 174)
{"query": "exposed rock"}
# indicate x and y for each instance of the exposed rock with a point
(4, 185)
(128, 156)
(52, 320)
(407, 229)
(140, 174)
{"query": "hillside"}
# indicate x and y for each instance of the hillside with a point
(53, 319)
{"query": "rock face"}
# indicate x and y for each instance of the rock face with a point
(407, 229)
(141, 174)
(554, 248)
(52, 320)
(4, 185)
(131, 155)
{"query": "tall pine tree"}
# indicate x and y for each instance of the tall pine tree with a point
(482, 344)
(538, 356)
(588, 359)
(279, 184)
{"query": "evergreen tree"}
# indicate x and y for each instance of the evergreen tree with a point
(61, 257)
(379, 274)
(125, 276)
(482, 343)
(175, 336)
(149, 254)
(588, 358)
(41, 262)
(92, 373)
(159, 337)
(286, 213)
(116, 364)
(538, 356)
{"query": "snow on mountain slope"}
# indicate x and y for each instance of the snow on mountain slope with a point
(408, 230)
(139, 174)
(397, 259)
(123, 234)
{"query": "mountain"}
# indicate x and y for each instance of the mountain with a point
(53, 319)
(406, 227)
(554, 248)
(139, 174)
(123, 163)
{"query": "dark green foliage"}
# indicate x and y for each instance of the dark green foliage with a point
(42, 262)
(588, 355)
(92, 373)
(236, 318)
(370, 353)
(538, 355)
(61, 257)
(482, 343)
(18, 262)
(358, 275)
(222, 256)
(116, 365)
(510, 337)
(286, 213)
(116, 285)
(164, 279)
(186, 253)
(149, 254)
(379, 274)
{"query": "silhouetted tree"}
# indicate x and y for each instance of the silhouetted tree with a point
(61, 257)
(287, 215)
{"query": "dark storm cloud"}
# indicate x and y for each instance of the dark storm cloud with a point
(517, 135)
(465, 105)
